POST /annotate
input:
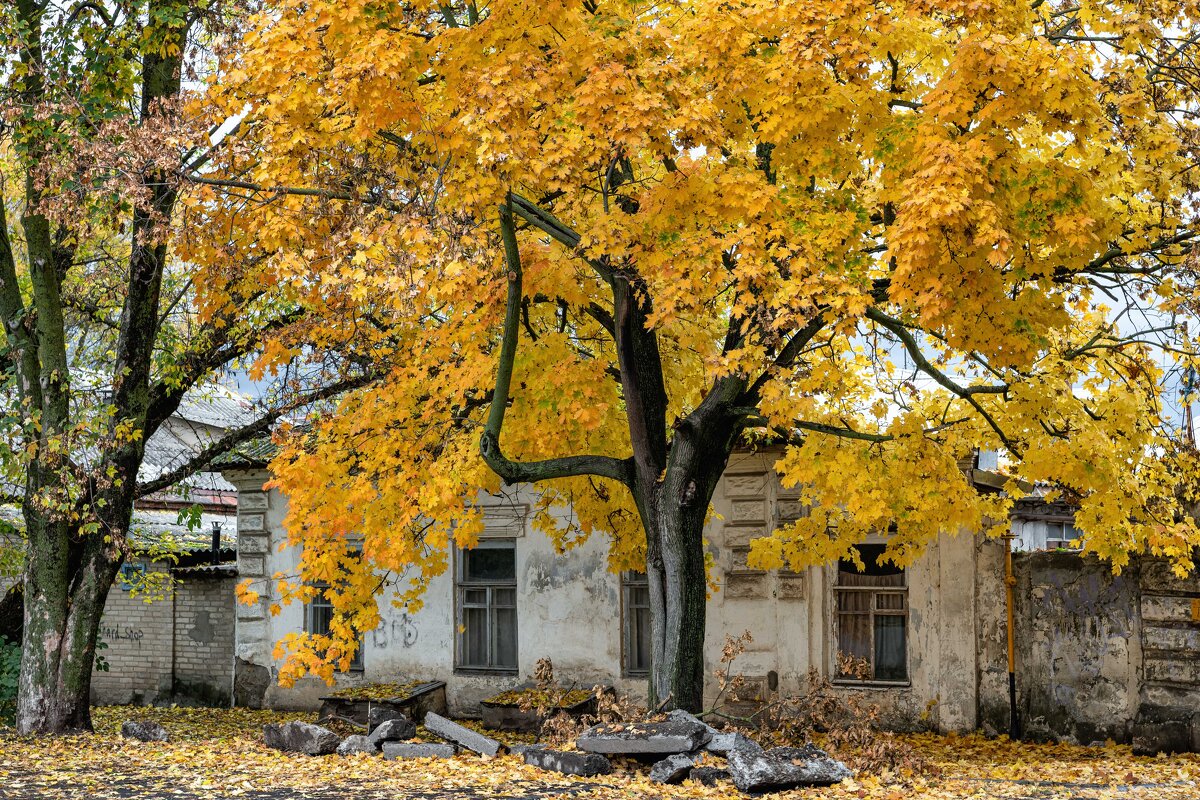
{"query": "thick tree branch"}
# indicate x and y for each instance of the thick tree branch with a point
(550, 225)
(489, 442)
(965, 392)
(261, 426)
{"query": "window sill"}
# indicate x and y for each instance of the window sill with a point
(853, 684)
(643, 674)
(485, 671)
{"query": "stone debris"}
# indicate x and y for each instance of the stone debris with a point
(585, 765)
(721, 743)
(672, 769)
(755, 770)
(144, 730)
(520, 749)
(300, 737)
(379, 714)
(394, 750)
(392, 730)
(679, 733)
(465, 737)
(357, 744)
(708, 776)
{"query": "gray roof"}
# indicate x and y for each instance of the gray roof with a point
(160, 528)
(254, 453)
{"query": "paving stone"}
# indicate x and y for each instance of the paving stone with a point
(585, 765)
(679, 733)
(672, 769)
(519, 749)
(393, 730)
(394, 750)
(465, 737)
(144, 731)
(757, 771)
(357, 744)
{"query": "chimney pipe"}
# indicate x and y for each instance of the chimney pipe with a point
(216, 542)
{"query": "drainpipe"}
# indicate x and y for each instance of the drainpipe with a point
(1010, 583)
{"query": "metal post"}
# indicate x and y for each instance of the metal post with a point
(1010, 583)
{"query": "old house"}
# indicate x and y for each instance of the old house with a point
(512, 601)
(1098, 656)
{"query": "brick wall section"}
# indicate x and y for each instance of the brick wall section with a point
(168, 648)
(204, 609)
(139, 638)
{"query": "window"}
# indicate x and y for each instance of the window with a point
(1059, 536)
(635, 622)
(487, 607)
(132, 576)
(318, 616)
(872, 616)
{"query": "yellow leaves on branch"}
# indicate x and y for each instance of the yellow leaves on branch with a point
(958, 169)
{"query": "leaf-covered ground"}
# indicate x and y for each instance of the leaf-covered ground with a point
(216, 754)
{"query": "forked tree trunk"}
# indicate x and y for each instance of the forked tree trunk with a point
(65, 594)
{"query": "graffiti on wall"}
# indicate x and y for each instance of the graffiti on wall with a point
(398, 631)
(114, 632)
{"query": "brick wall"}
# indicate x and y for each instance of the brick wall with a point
(170, 648)
(204, 611)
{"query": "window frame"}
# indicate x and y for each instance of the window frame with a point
(461, 585)
(357, 663)
(631, 580)
(872, 612)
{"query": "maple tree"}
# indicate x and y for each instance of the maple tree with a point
(102, 338)
(598, 245)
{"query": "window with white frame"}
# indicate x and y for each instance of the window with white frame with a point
(872, 616)
(487, 607)
(635, 623)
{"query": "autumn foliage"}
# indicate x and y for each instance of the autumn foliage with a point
(881, 235)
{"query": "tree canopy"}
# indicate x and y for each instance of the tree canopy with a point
(880, 234)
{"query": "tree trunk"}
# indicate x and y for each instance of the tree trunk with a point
(67, 581)
(674, 523)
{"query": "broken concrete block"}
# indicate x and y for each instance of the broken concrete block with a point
(300, 737)
(585, 765)
(679, 733)
(722, 743)
(708, 776)
(518, 750)
(394, 750)
(356, 744)
(453, 732)
(672, 769)
(377, 715)
(392, 730)
(756, 771)
(144, 730)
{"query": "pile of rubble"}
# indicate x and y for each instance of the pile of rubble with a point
(676, 744)
(678, 747)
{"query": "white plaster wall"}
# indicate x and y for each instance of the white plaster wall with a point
(569, 610)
